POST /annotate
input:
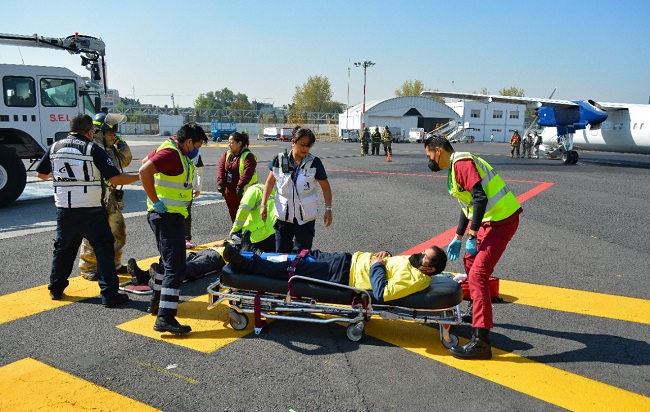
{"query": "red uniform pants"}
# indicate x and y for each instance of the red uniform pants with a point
(491, 241)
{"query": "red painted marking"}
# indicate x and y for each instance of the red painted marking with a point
(443, 239)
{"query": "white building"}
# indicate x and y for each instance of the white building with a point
(399, 113)
(482, 119)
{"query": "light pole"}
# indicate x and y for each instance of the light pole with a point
(365, 66)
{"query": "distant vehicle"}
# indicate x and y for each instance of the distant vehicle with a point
(416, 135)
(221, 130)
(271, 133)
(286, 133)
(350, 136)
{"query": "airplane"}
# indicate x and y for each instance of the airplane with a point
(610, 127)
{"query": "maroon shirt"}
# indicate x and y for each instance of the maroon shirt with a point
(466, 174)
(232, 166)
(167, 162)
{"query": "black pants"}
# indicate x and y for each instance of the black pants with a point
(266, 245)
(292, 237)
(169, 229)
(72, 225)
(201, 263)
(333, 267)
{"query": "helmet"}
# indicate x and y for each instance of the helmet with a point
(366, 129)
(386, 127)
(108, 122)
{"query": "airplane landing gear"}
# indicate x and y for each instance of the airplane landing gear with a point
(570, 157)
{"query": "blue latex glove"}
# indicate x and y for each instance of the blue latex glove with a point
(453, 249)
(470, 247)
(159, 207)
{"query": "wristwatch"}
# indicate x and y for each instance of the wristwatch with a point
(471, 236)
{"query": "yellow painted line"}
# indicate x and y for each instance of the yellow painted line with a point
(28, 302)
(550, 384)
(210, 328)
(30, 385)
(577, 301)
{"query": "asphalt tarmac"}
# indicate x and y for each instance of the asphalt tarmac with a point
(578, 342)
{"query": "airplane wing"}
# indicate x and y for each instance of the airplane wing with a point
(528, 101)
(486, 98)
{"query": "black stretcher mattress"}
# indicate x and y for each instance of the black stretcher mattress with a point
(442, 292)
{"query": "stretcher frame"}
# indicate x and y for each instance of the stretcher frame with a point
(288, 307)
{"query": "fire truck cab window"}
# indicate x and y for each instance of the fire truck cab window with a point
(58, 92)
(19, 91)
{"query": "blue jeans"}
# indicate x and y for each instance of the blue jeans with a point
(72, 225)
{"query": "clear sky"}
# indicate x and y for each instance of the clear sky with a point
(589, 49)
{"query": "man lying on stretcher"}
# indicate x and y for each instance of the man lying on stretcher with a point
(389, 277)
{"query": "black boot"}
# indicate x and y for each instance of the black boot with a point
(467, 315)
(171, 325)
(477, 348)
(237, 261)
(154, 303)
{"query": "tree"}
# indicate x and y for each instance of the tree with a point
(410, 88)
(130, 102)
(511, 91)
(222, 99)
(314, 96)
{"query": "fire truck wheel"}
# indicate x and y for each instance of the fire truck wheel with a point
(12, 176)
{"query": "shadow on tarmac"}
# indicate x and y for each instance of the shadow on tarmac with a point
(594, 347)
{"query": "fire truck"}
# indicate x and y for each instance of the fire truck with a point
(38, 102)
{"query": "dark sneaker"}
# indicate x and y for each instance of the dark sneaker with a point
(56, 295)
(122, 269)
(171, 325)
(118, 299)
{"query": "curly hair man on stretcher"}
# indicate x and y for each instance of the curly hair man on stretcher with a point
(389, 277)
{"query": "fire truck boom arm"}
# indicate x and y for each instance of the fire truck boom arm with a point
(74, 44)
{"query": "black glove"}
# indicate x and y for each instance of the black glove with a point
(221, 188)
(239, 191)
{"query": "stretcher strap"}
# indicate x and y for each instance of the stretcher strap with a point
(358, 299)
(260, 324)
(294, 263)
(291, 270)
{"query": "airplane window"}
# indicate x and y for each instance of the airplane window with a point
(641, 127)
(634, 128)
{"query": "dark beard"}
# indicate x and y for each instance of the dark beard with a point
(416, 260)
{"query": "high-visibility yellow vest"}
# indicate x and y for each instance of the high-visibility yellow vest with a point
(174, 191)
(248, 214)
(242, 157)
(502, 203)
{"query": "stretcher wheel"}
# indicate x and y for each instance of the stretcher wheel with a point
(453, 341)
(355, 331)
(238, 321)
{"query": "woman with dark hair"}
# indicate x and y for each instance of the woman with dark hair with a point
(294, 176)
(236, 171)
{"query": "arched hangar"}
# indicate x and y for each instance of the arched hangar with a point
(399, 113)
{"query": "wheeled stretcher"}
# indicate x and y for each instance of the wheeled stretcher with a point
(296, 296)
